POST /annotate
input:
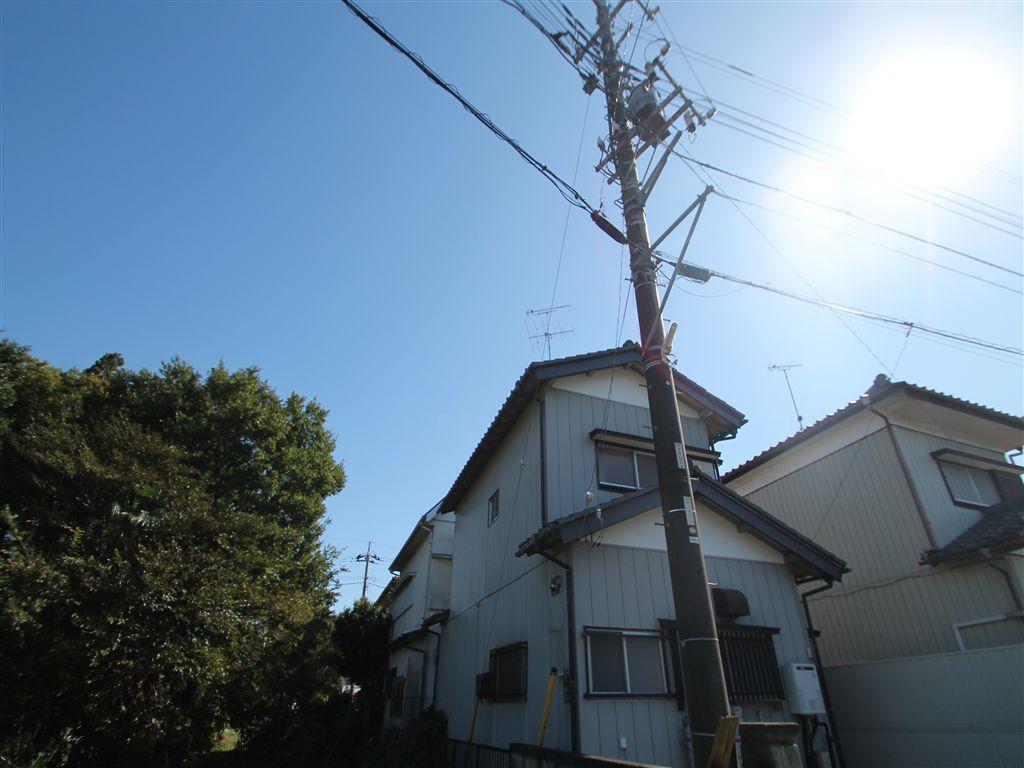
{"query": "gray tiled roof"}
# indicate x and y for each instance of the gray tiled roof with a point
(1001, 527)
(879, 390)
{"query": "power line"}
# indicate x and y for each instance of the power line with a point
(881, 181)
(873, 243)
(838, 316)
(731, 108)
(802, 97)
(841, 211)
(876, 176)
(564, 188)
(869, 315)
(565, 229)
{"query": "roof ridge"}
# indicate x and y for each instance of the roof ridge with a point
(880, 388)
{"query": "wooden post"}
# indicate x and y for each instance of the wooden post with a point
(725, 738)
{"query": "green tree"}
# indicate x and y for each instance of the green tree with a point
(361, 643)
(161, 561)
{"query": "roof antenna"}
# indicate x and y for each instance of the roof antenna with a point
(542, 329)
(785, 372)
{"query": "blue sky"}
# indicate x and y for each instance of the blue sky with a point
(269, 184)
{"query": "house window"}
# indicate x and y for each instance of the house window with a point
(972, 486)
(508, 672)
(625, 468)
(748, 661)
(493, 510)
(625, 662)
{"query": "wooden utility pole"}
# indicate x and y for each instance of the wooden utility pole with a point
(707, 700)
(368, 558)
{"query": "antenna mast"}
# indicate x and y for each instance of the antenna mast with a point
(785, 369)
(546, 333)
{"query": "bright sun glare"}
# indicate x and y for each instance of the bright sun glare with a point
(931, 117)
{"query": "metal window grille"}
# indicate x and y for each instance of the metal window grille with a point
(508, 670)
(748, 660)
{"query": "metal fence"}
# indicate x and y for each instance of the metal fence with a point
(462, 754)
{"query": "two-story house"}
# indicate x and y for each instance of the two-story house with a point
(923, 643)
(418, 599)
(560, 568)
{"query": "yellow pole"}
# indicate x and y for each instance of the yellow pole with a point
(547, 706)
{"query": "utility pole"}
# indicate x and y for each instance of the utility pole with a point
(368, 558)
(707, 699)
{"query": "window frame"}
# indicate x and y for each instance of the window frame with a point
(967, 504)
(633, 451)
(494, 507)
(622, 633)
(519, 695)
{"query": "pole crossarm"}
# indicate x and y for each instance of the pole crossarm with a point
(682, 217)
(658, 168)
(699, 205)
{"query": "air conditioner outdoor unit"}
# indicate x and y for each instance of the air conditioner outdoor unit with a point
(803, 690)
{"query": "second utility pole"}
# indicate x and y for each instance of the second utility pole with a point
(703, 680)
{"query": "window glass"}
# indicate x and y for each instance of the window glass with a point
(492, 508)
(644, 657)
(616, 466)
(986, 486)
(607, 666)
(646, 469)
(970, 484)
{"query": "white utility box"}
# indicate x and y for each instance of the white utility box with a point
(803, 690)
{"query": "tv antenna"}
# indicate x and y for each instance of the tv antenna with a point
(785, 369)
(541, 332)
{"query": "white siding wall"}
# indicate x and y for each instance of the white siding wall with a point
(571, 454)
(408, 606)
(629, 588)
(947, 519)
(499, 599)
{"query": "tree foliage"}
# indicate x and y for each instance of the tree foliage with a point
(161, 565)
(361, 642)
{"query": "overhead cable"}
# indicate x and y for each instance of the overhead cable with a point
(802, 97)
(881, 181)
(842, 212)
(868, 315)
(564, 188)
(873, 243)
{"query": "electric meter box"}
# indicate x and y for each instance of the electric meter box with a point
(803, 690)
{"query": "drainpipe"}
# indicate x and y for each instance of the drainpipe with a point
(570, 617)
(812, 634)
(999, 564)
(437, 665)
(928, 529)
(543, 466)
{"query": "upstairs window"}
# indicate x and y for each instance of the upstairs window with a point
(625, 468)
(971, 486)
(625, 662)
(493, 510)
